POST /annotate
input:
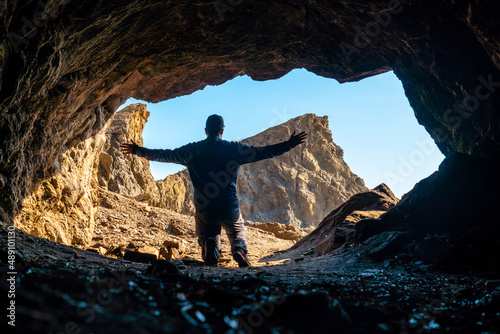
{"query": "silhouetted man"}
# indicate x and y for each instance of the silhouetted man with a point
(213, 166)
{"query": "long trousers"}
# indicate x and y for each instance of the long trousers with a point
(210, 225)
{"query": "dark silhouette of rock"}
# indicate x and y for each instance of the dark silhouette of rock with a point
(135, 256)
(459, 200)
(338, 227)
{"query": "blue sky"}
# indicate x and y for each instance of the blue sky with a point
(371, 120)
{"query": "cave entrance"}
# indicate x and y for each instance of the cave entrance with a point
(371, 120)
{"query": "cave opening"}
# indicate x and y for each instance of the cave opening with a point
(428, 263)
(371, 120)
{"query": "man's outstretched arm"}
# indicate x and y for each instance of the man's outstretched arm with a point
(179, 155)
(253, 153)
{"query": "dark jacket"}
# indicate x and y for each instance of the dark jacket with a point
(213, 166)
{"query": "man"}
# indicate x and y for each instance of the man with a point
(213, 166)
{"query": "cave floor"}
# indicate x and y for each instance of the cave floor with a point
(62, 289)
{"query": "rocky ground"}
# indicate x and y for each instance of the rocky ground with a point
(122, 224)
(61, 289)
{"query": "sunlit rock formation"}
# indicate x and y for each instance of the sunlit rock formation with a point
(127, 174)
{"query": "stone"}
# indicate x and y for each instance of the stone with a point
(338, 227)
(384, 244)
(160, 268)
(282, 231)
(139, 257)
(175, 243)
(149, 250)
(298, 188)
(179, 227)
(458, 198)
(127, 174)
(174, 248)
(106, 203)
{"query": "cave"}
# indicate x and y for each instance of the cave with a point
(66, 67)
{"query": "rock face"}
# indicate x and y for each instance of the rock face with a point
(452, 201)
(66, 66)
(62, 207)
(298, 188)
(127, 174)
(303, 185)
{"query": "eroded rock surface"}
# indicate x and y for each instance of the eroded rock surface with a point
(63, 206)
(127, 174)
(298, 188)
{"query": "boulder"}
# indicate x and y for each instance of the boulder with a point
(338, 227)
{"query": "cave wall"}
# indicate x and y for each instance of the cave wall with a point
(66, 65)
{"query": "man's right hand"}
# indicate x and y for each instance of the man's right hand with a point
(129, 148)
(297, 139)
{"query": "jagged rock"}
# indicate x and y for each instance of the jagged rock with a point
(178, 227)
(338, 227)
(174, 248)
(384, 244)
(63, 206)
(127, 174)
(298, 188)
(459, 199)
(176, 193)
(174, 242)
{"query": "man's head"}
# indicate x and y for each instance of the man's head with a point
(214, 126)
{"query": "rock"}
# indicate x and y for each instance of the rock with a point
(127, 174)
(106, 203)
(179, 227)
(149, 250)
(139, 257)
(298, 188)
(458, 200)
(62, 207)
(142, 197)
(358, 215)
(383, 244)
(161, 268)
(174, 242)
(176, 193)
(174, 248)
(116, 250)
(338, 227)
(287, 232)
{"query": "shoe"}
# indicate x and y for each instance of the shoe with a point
(211, 252)
(240, 257)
